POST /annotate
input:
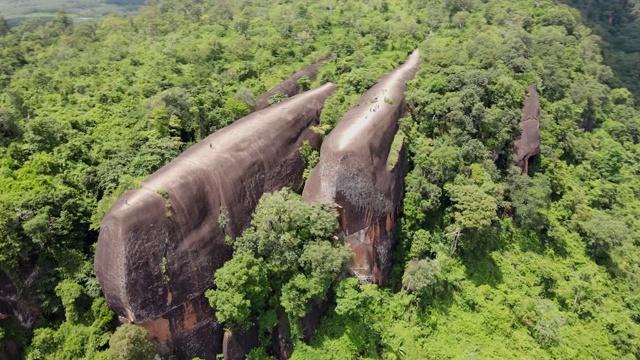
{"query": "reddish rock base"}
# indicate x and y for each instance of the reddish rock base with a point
(372, 251)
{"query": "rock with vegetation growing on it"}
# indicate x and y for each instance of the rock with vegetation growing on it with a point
(528, 144)
(353, 173)
(159, 245)
(290, 86)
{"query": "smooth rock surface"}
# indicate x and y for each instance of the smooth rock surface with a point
(353, 174)
(160, 245)
(528, 144)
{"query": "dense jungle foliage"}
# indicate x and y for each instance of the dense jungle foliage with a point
(490, 263)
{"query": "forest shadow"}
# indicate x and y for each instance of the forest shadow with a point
(619, 28)
(559, 246)
(435, 299)
(480, 267)
(608, 262)
(484, 271)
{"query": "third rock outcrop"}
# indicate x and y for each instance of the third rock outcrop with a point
(290, 86)
(528, 144)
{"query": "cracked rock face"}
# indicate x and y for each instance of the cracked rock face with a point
(528, 144)
(160, 245)
(353, 173)
(290, 86)
(14, 296)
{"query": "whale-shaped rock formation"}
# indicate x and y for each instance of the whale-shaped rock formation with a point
(290, 86)
(528, 144)
(160, 245)
(353, 173)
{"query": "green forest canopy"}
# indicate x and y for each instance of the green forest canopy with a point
(546, 265)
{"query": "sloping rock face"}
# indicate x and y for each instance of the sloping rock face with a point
(160, 245)
(290, 86)
(14, 297)
(528, 144)
(353, 174)
(238, 344)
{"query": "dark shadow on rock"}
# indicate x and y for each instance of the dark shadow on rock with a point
(312, 320)
(281, 345)
(11, 350)
(534, 164)
(237, 344)
(15, 295)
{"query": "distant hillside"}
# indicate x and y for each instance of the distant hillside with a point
(617, 23)
(16, 11)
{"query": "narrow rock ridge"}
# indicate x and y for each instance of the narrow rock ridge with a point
(352, 173)
(528, 144)
(290, 86)
(160, 245)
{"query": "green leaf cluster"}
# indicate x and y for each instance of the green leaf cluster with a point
(284, 262)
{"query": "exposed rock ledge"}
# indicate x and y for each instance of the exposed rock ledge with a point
(14, 296)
